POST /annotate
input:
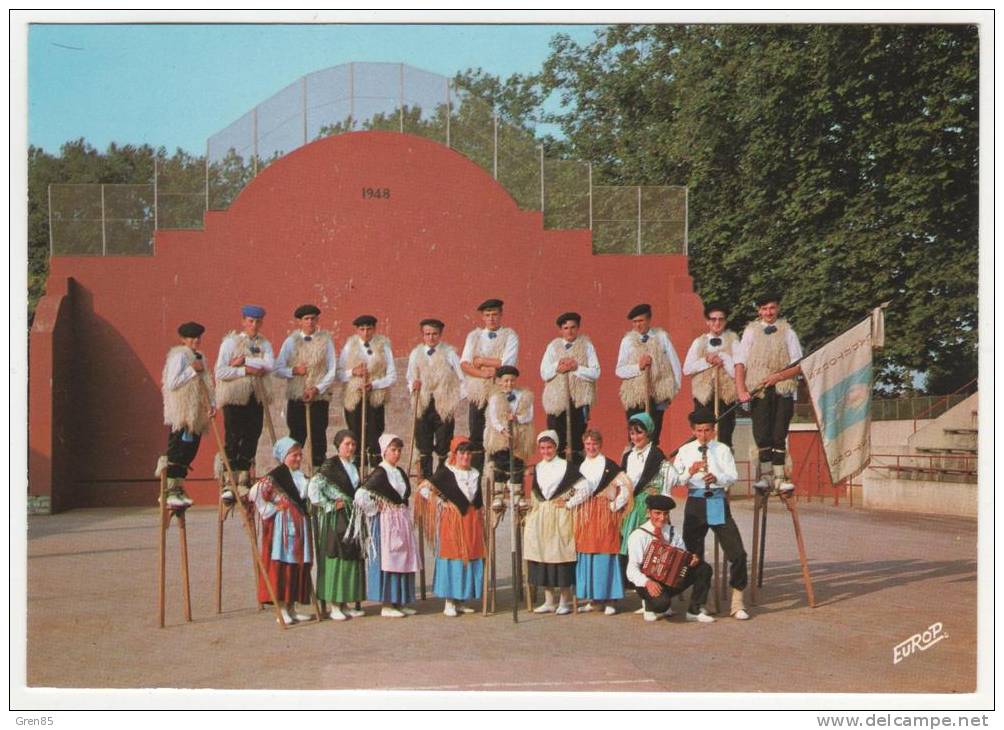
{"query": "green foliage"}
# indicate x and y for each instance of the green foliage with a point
(836, 164)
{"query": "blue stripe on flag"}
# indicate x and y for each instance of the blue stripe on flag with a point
(846, 403)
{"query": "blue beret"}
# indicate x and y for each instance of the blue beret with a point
(252, 310)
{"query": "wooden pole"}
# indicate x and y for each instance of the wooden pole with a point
(806, 577)
(244, 515)
(719, 564)
(221, 515)
(259, 393)
(763, 538)
(309, 446)
(363, 456)
(489, 522)
(754, 557)
(419, 519)
(164, 521)
(568, 418)
(183, 544)
(309, 519)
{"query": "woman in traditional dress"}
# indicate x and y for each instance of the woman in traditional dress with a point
(549, 532)
(340, 558)
(280, 498)
(599, 500)
(392, 552)
(455, 511)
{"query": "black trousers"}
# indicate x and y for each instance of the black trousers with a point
(656, 418)
(374, 430)
(432, 434)
(182, 447)
(771, 416)
(695, 529)
(476, 429)
(243, 426)
(580, 416)
(698, 576)
(727, 424)
(296, 419)
(500, 462)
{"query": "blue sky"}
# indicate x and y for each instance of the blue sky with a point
(175, 85)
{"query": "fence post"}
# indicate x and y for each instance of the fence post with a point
(352, 96)
(448, 113)
(104, 240)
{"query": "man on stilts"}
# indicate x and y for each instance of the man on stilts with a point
(308, 364)
(185, 410)
(366, 365)
(650, 368)
(435, 378)
(245, 358)
(711, 367)
(486, 349)
(764, 360)
(569, 370)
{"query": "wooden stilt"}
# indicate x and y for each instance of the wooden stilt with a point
(183, 543)
(489, 526)
(164, 517)
(806, 577)
(221, 515)
(755, 548)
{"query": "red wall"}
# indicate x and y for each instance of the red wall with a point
(447, 238)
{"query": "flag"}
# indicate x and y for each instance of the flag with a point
(839, 376)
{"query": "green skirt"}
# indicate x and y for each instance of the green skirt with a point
(340, 581)
(632, 520)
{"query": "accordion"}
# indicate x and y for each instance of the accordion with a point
(665, 564)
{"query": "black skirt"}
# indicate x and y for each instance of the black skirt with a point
(551, 575)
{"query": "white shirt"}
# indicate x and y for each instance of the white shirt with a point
(499, 421)
(267, 508)
(467, 480)
(627, 365)
(389, 377)
(509, 354)
(636, 462)
(695, 363)
(264, 361)
(421, 354)
(557, 350)
(549, 475)
(180, 372)
(638, 542)
(591, 470)
(721, 463)
(284, 369)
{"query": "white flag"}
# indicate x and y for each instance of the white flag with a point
(839, 376)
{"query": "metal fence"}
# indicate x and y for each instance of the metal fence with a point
(897, 409)
(368, 96)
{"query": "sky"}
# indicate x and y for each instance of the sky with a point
(174, 85)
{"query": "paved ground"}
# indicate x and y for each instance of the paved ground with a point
(879, 578)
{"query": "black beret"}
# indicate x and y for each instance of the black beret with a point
(639, 310)
(191, 329)
(490, 304)
(771, 296)
(507, 370)
(364, 320)
(432, 322)
(716, 307)
(701, 415)
(304, 310)
(562, 318)
(660, 502)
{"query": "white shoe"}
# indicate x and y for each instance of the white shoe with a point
(302, 616)
(741, 615)
(335, 614)
(786, 486)
(391, 612)
(701, 617)
(563, 610)
(227, 495)
(545, 608)
(762, 484)
(610, 610)
(407, 611)
(651, 615)
(286, 618)
(641, 610)
(667, 613)
(450, 610)
(497, 504)
(588, 608)
(353, 612)
(176, 501)
(461, 608)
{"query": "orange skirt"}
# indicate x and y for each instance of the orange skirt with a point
(461, 537)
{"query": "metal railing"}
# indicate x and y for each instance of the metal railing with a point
(374, 96)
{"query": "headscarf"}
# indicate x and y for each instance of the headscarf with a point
(548, 434)
(282, 447)
(454, 443)
(385, 441)
(644, 420)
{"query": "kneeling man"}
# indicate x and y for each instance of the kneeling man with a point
(657, 596)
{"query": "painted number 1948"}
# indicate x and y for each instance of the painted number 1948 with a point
(373, 193)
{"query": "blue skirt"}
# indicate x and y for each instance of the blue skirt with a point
(382, 586)
(457, 580)
(598, 577)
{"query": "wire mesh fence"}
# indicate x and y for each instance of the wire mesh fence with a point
(359, 97)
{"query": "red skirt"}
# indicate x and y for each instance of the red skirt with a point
(290, 581)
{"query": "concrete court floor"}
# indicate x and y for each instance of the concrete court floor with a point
(879, 578)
